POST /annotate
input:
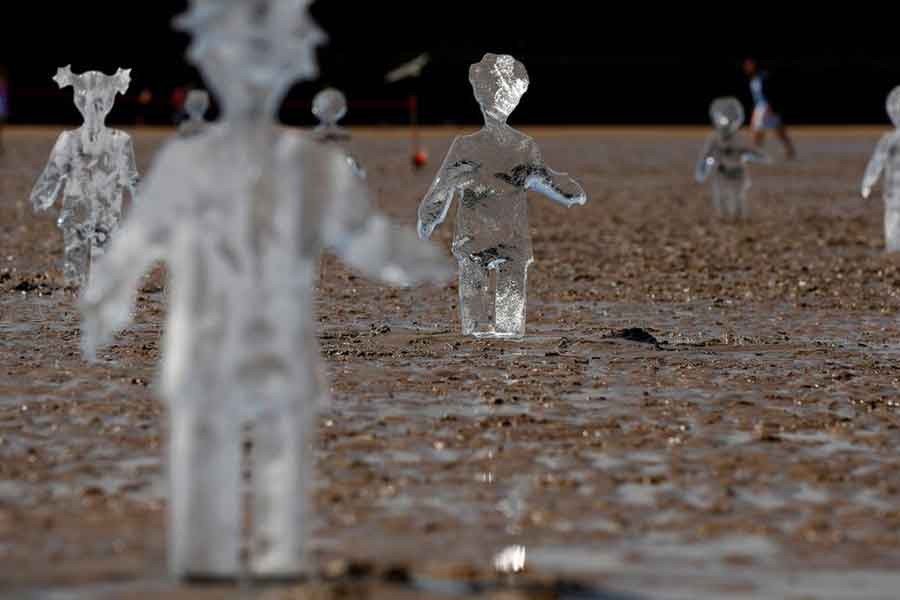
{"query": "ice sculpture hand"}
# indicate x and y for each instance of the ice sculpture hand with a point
(558, 187)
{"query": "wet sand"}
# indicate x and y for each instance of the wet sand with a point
(742, 445)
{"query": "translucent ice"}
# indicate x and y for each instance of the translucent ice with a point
(491, 171)
(887, 159)
(240, 215)
(330, 106)
(724, 156)
(195, 105)
(92, 166)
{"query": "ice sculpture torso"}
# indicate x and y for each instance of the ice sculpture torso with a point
(241, 306)
(492, 213)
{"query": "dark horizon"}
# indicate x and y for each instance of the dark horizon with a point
(587, 65)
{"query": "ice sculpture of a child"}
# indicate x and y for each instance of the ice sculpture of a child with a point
(240, 215)
(887, 158)
(491, 171)
(93, 166)
(195, 105)
(330, 106)
(724, 156)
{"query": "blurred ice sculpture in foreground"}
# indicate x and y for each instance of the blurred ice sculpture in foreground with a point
(240, 214)
(195, 105)
(887, 159)
(724, 156)
(491, 171)
(330, 106)
(92, 166)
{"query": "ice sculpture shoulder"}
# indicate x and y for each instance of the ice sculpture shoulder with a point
(240, 214)
(490, 172)
(886, 159)
(723, 158)
(91, 167)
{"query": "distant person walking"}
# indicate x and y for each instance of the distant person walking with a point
(766, 115)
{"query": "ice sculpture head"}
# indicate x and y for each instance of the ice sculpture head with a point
(499, 82)
(196, 104)
(251, 51)
(893, 106)
(727, 114)
(95, 92)
(329, 106)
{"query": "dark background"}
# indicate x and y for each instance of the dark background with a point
(589, 61)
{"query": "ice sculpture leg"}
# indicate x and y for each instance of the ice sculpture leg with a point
(78, 236)
(730, 197)
(512, 278)
(282, 469)
(205, 514)
(892, 225)
(475, 299)
(718, 194)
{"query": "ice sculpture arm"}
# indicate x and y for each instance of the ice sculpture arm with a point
(558, 187)
(752, 155)
(707, 161)
(876, 164)
(53, 177)
(394, 255)
(129, 173)
(367, 240)
(107, 301)
(456, 172)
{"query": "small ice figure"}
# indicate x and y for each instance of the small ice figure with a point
(196, 105)
(887, 159)
(724, 155)
(491, 171)
(330, 106)
(240, 215)
(93, 166)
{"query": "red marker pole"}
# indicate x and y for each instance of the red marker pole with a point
(419, 156)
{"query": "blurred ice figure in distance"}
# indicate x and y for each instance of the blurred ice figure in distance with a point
(92, 166)
(241, 215)
(330, 106)
(724, 156)
(887, 158)
(490, 172)
(195, 106)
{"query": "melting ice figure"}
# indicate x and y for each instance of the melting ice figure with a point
(491, 171)
(240, 215)
(195, 105)
(330, 106)
(724, 156)
(92, 166)
(887, 159)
